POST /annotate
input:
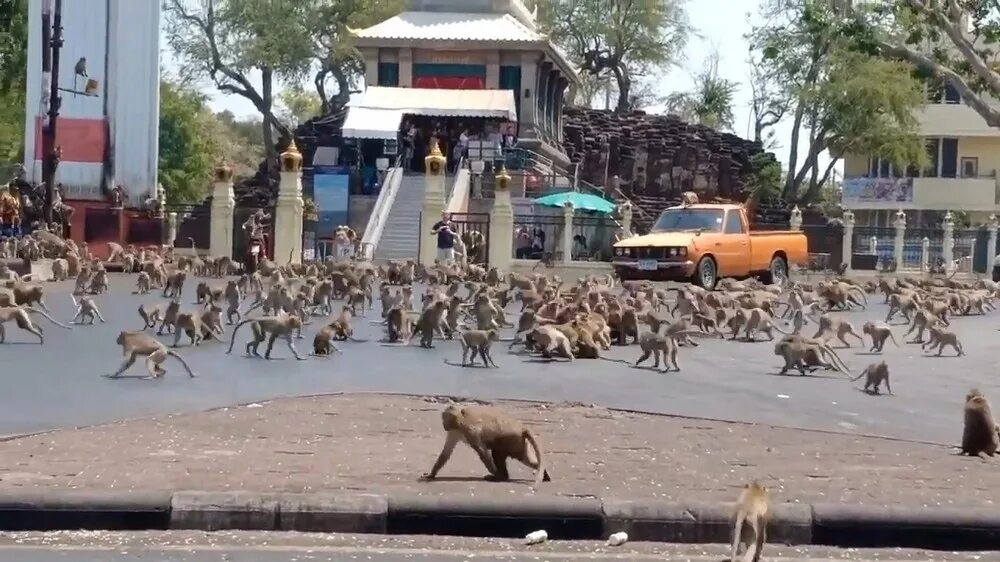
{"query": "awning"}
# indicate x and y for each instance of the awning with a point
(372, 123)
(492, 104)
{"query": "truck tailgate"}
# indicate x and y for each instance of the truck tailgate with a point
(766, 243)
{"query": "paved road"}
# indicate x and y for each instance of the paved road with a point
(59, 384)
(287, 547)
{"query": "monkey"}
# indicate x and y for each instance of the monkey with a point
(233, 300)
(99, 282)
(800, 353)
(689, 198)
(705, 323)
(979, 435)
(494, 436)
(81, 70)
(169, 317)
(206, 294)
(277, 326)
(188, 323)
(879, 332)
(342, 330)
(549, 339)
(323, 344)
(876, 373)
(20, 316)
(478, 341)
(758, 320)
(753, 509)
(922, 320)
(355, 297)
(830, 325)
(940, 338)
(142, 284)
(174, 287)
(658, 345)
(150, 314)
(135, 344)
(398, 325)
(528, 320)
(211, 322)
(429, 323)
(86, 309)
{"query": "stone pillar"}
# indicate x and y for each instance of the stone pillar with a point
(567, 233)
(847, 244)
(795, 220)
(223, 205)
(897, 247)
(370, 57)
(290, 209)
(435, 165)
(560, 102)
(948, 244)
(501, 242)
(171, 228)
(493, 70)
(405, 68)
(991, 250)
(925, 254)
(527, 120)
(625, 212)
(553, 100)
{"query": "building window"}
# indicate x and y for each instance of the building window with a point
(970, 167)
(933, 153)
(951, 95)
(942, 92)
(949, 158)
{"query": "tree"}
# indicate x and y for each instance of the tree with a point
(13, 79)
(298, 105)
(769, 101)
(710, 103)
(843, 100)
(621, 39)
(228, 39)
(955, 41)
(187, 148)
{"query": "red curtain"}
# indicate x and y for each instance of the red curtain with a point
(450, 82)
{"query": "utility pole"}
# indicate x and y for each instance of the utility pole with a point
(50, 158)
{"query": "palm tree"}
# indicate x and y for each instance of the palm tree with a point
(710, 102)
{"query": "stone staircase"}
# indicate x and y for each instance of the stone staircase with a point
(401, 237)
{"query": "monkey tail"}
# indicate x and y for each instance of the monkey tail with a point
(622, 361)
(893, 338)
(73, 297)
(177, 356)
(236, 328)
(863, 373)
(31, 310)
(355, 340)
(836, 360)
(541, 473)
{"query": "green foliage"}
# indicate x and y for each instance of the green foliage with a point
(13, 80)
(710, 103)
(766, 181)
(298, 105)
(842, 97)
(187, 151)
(623, 39)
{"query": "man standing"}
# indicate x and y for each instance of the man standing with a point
(445, 231)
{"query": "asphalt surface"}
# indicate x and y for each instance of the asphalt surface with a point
(292, 547)
(59, 384)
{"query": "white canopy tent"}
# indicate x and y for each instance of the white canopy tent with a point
(378, 112)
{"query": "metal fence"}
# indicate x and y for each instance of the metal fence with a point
(240, 216)
(468, 227)
(826, 246)
(913, 246)
(144, 228)
(594, 238)
(536, 236)
(194, 226)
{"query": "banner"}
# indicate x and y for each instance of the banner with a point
(331, 191)
(881, 190)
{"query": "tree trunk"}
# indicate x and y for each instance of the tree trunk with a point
(267, 97)
(319, 80)
(624, 90)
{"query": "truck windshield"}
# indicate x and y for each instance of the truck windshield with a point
(689, 220)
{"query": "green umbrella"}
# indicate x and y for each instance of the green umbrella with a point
(581, 201)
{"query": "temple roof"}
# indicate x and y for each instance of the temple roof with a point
(447, 26)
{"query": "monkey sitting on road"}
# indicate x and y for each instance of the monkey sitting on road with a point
(876, 373)
(477, 341)
(270, 328)
(135, 344)
(86, 311)
(494, 436)
(398, 325)
(879, 332)
(979, 436)
(753, 513)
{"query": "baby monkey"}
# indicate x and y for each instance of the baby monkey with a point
(878, 332)
(478, 341)
(876, 373)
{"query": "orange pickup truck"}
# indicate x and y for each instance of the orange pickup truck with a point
(705, 242)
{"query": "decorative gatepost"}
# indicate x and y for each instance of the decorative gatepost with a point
(991, 250)
(625, 212)
(567, 234)
(925, 255)
(223, 211)
(795, 219)
(897, 247)
(847, 244)
(171, 228)
(290, 208)
(434, 203)
(501, 242)
(948, 244)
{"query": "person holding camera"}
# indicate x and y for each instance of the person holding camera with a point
(445, 231)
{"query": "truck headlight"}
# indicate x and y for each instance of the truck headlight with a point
(673, 252)
(683, 251)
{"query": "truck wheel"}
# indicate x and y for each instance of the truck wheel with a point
(777, 274)
(706, 274)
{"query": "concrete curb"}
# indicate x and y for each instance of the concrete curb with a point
(564, 518)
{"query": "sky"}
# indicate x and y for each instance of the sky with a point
(720, 26)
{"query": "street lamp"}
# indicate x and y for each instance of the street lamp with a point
(50, 64)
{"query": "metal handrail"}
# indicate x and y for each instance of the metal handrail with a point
(383, 205)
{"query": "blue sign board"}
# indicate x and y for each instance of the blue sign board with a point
(331, 191)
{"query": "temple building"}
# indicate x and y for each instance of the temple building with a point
(425, 63)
